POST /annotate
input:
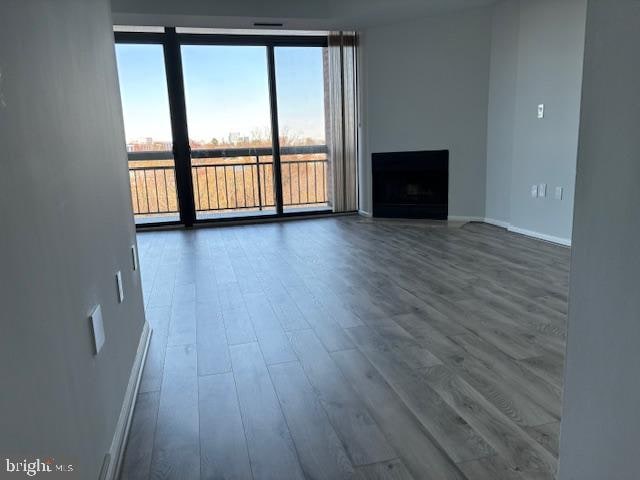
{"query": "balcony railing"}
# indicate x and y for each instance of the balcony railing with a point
(230, 179)
(153, 190)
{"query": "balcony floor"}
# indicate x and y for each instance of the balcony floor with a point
(231, 214)
(350, 348)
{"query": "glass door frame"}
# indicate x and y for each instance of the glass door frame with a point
(172, 42)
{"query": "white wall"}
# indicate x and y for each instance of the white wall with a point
(67, 226)
(502, 109)
(286, 9)
(295, 14)
(537, 52)
(600, 420)
(426, 85)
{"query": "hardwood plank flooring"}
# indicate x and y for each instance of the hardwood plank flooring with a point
(137, 458)
(520, 451)
(494, 468)
(547, 436)
(223, 449)
(391, 470)
(211, 343)
(360, 434)
(416, 447)
(176, 449)
(271, 449)
(321, 453)
(350, 348)
(158, 318)
(454, 435)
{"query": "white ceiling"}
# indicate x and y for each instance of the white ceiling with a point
(295, 14)
(372, 12)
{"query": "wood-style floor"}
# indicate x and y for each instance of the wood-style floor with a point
(350, 348)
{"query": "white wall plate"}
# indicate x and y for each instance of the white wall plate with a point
(134, 257)
(119, 285)
(97, 328)
(542, 190)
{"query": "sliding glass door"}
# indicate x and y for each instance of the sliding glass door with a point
(302, 85)
(225, 126)
(228, 117)
(145, 105)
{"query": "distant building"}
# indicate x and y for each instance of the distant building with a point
(148, 144)
(237, 137)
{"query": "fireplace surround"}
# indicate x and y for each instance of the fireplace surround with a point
(411, 184)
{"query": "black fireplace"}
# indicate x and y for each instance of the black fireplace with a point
(411, 184)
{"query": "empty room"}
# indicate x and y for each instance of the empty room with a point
(319, 239)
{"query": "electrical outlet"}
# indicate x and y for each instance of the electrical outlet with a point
(97, 328)
(119, 286)
(542, 190)
(541, 110)
(559, 193)
(534, 191)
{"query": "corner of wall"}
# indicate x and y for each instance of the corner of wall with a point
(536, 56)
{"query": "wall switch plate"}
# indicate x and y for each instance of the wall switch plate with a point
(534, 191)
(542, 190)
(559, 193)
(134, 257)
(541, 110)
(97, 328)
(119, 285)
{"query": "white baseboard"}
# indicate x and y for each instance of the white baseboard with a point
(522, 231)
(121, 434)
(454, 218)
(498, 223)
(503, 224)
(541, 236)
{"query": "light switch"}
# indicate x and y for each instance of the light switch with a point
(541, 110)
(119, 285)
(134, 257)
(534, 191)
(542, 190)
(559, 193)
(97, 328)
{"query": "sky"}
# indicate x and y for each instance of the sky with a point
(226, 90)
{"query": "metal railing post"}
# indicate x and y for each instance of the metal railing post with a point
(259, 187)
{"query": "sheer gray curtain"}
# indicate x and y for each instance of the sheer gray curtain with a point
(343, 120)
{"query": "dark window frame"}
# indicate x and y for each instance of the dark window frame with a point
(172, 42)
